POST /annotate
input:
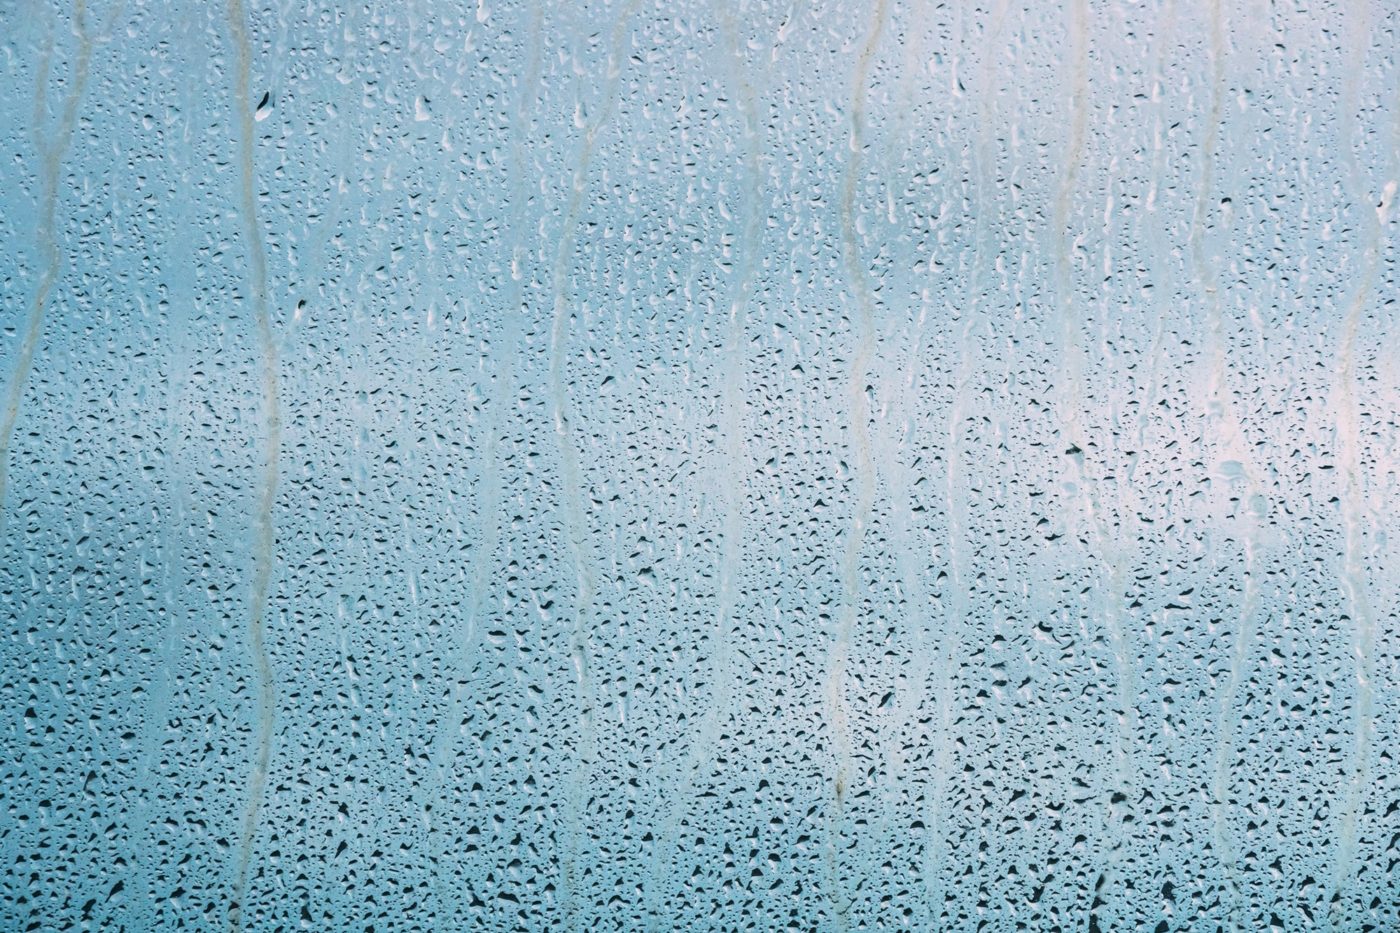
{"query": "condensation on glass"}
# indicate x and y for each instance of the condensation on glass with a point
(699, 466)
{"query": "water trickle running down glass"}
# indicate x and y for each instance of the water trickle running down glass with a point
(701, 466)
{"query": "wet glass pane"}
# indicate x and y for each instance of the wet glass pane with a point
(641, 466)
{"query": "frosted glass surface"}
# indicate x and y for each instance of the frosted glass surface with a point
(726, 466)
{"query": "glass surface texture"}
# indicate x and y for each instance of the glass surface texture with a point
(699, 466)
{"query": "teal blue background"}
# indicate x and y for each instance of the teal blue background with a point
(697, 466)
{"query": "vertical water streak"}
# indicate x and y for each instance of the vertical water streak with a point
(900, 476)
(1160, 250)
(264, 534)
(1235, 462)
(733, 398)
(1077, 445)
(1356, 513)
(1356, 522)
(863, 327)
(1071, 352)
(954, 508)
(733, 478)
(51, 153)
(174, 524)
(895, 439)
(573, 493)
(458, 668)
